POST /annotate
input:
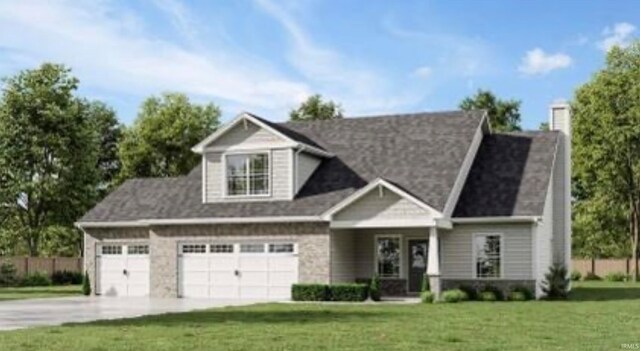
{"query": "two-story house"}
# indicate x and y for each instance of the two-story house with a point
(403, 196)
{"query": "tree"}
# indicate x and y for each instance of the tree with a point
(48, 153)
(314, 108)
(606, 127)
(159, 143)
(109, 130)
(503, 114)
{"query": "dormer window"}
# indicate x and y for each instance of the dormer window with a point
(247, 174)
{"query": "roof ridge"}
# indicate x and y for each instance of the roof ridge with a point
(391, 115)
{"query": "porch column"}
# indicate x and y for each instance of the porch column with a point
(433, 262)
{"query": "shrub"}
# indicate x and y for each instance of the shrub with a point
(488, 295)
(617, 277)
(374, 288)
(526, 292)
(66, 278)
(591, 276)
(471, 292)
(499, 296)
(347, 292)
(427, 297)
(8, 275)
(425, 284)
(86, 285)
(576, 276)
(35, 279)
(517, 296)
(309, 292)
(454, 295)
(556, 282)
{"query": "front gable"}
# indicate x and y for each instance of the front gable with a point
(381, 204)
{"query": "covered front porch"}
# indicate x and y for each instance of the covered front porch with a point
(401, 257)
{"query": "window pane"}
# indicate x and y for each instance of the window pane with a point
(194, 248)
(112, 250)
(252, 248)
(259, 185)
(236, 185)
(279, 248)
(237, 165)
(487, 250)
(259, 164)
(138, 249)
(389, 257)
(221, 248)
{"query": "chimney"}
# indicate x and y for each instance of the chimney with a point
(560, 120)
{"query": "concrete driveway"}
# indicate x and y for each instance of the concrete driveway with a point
(55, 311)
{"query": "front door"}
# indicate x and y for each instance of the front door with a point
(417, 263)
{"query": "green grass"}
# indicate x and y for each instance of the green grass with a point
(599, 316)
(37, 292)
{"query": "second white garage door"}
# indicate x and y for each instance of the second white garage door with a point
(238, 271)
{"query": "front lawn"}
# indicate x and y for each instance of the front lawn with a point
(37, 292)
(600, 316)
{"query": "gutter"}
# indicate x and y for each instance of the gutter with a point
(502, 219)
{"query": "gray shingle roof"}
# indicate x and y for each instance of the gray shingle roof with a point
(509, 176)
(421, 153)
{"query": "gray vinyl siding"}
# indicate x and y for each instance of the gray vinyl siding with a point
(307, 164)
(343, 259)
(388, 207)
(457, 244)
(253, 134)
(543, 243)
(281, 172)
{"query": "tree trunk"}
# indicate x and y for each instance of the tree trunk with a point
(634, 241)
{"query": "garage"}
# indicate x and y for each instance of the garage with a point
(123, 270)
(260, 271)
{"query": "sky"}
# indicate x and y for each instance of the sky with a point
(267, 56)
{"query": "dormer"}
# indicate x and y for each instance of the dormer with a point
(251, 159)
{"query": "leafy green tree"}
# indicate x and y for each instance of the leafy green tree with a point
(48, 152)
(159, 143)
(314, 108)
(606, 134)
(109, 130)
(503, 114)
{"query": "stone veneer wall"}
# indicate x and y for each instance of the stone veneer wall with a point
(312, 238)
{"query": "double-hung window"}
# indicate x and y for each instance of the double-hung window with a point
(247, 174)
(488, 255)
(388, 252)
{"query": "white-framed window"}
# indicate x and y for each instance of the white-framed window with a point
(252, 248)
(388, 256)
(138, 249)
(112, 249)
(247, 174)
(281, 248)
(194, 248)
(487, 255)
(221, 248)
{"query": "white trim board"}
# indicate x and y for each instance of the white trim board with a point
(185, 221)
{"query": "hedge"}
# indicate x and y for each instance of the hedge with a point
(321, 292)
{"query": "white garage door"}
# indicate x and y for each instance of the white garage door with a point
(263, 271)
(123, 270)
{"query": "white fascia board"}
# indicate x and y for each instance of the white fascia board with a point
(382, 223)
(369, 187)
(200, 147)
(502, 219)
(185, 221)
